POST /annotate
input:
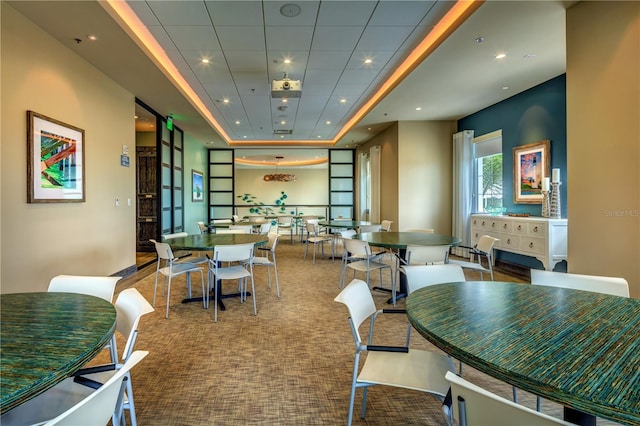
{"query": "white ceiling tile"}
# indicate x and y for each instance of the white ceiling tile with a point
(180, 12)
(327, 60)
(383, 38)
(241, 38)
(289, 38)
(193, 38)
(336, 38)
(247, 61)
(235, 12)
(400, 13)
(345, 12)
(307, 16)
(379, 58)
(144, 12)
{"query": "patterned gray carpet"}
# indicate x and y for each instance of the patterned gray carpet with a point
(291, 364)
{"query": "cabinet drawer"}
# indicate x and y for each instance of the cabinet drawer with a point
(486, 224)
(509, 242)
(533, 245)
(537, 229)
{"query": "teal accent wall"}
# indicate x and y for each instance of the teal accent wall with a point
(536, 114)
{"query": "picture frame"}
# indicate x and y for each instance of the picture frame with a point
(530, 164)
(197, 186)
(55, 161)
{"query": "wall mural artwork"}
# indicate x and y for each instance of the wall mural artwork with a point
(55, 161)
(197, 185)
(530, 165)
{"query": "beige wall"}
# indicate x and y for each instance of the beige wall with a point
(603, 139)
(388, 143)
(311, 186)
(42, 240)
(424, 193)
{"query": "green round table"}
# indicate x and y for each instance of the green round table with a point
(46, 337)
(577, 348)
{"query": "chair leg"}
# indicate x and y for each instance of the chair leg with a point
(275, 272)
(215, 300)
(132, 408)
(166, 315)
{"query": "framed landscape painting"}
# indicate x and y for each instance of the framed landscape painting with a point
(530, 165)
(55, 161)
(197, 185)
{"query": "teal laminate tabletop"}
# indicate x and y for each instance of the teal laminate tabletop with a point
(45, 337)
(577, 348)
(349, 224)
(400, 240)
(206, 242)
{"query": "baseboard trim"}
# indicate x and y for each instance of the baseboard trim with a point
(513, 269)
(126, 271)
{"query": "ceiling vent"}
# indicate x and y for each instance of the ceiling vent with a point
(282, 131)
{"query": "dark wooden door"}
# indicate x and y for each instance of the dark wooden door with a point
(147, 197)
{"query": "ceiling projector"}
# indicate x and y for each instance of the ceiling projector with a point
(286, 88)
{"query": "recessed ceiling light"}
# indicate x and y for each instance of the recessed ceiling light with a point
(225, 101)
(237, 121)
(283, 122)
(418, 109)
(319, 138)
(244, 136)
(343, 101)
(328, 122)
(92, 37)
(290, 10)
(501, 55)
(368, 128)
(281, 136)
(285, 100)
(287, 61)
(205, 60)
(368, 61)
(505, 87)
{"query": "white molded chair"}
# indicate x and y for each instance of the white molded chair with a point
(202, 227)
(423, 230)
(73, 409)
(286, 223)
(427, 255)
(269, 259)
(385, 225)
(369, 228)
(233, 253)
(265, 228)
(357, 256)
(483, 249)
(384, 365)
(102, 287)
(246, 229)
(196, 260)
(173, 269)
(598, 284)
(230, 231)
(473, 405)
(315, 237)
(130, 307)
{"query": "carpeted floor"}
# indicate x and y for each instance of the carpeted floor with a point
(289, 365)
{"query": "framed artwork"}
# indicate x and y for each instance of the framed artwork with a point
(55, 161)
(197, 185)
(530, 165)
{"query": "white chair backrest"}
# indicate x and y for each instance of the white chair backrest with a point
(598, 284)
(256, 218)
(102, 287)
(357, 297)
(222, 221)
(348, 233)
(202, 227)
(369, 228)
(98, 407)
(385, 225)
(130, 307)
(235, 217)
(265, 228)
(426, 255)
(285, 220)
(245, 228)
(485, 243)
(175, 235)
(424, 275)
(423, 230)
(230, 231)
(273, 241)
(164, 251)
(357, 247)
(233, 252)
(482, 407)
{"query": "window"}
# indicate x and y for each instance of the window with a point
(487, 154)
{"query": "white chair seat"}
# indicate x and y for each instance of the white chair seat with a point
(407, 370)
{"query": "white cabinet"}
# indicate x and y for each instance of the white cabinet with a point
(539, 237)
